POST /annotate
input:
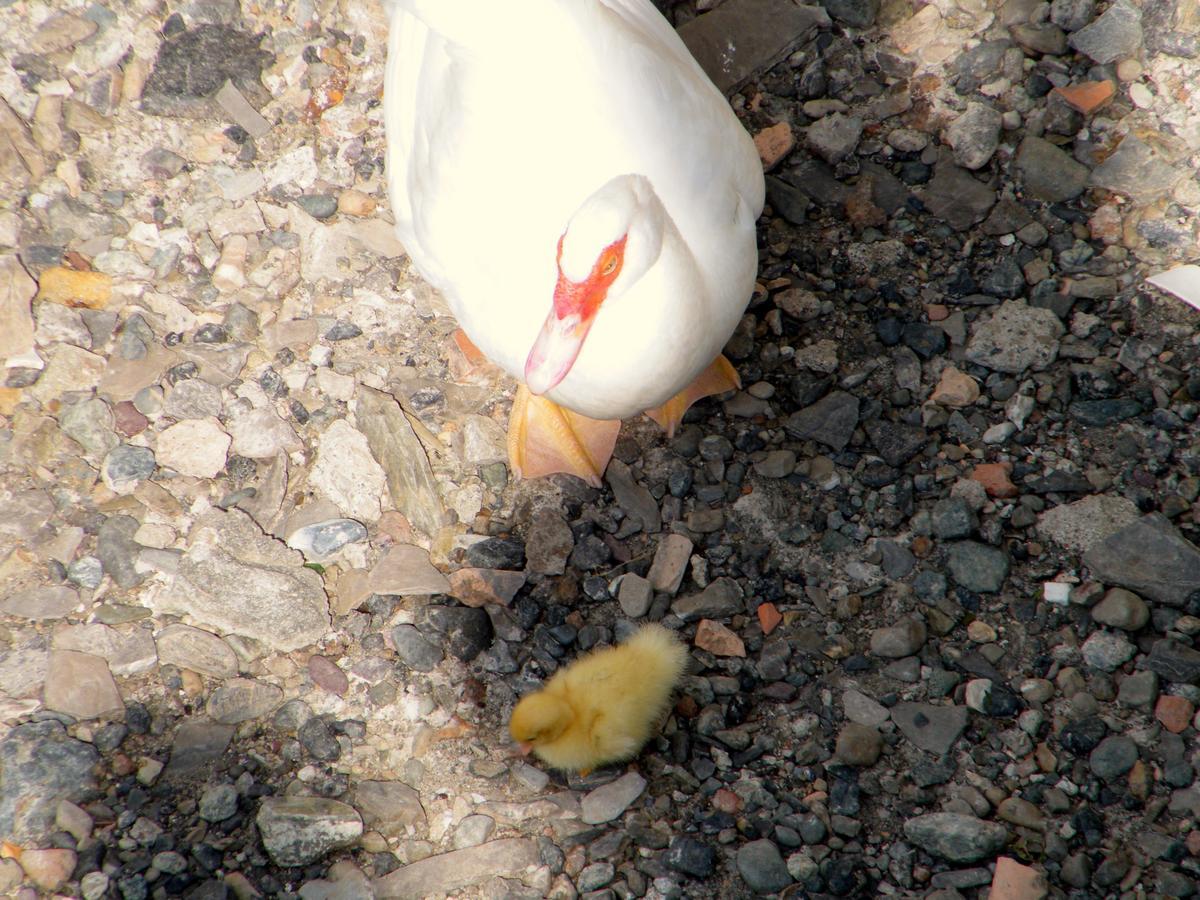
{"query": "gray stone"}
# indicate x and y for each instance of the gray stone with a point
(297, 831)
(218, 802)
(194, 65)
(932, 728)
(193, 398)
(955, 837)
(41, 765)
(895, 442)
(81, 685)
(830, 421)
(1081, 525)
(393, 442)
(742, 38)
(670, 563)
(762, 867)
(447, 873)
(1121, 609)
(1113, 757)
(863, 709)
(320, 540)
(127, 651)
(632, 497)
(548, 543)
(1041, 38)
(858, 745)
(195, 649)
(721, 599)
(900, 640)
(1150, 557)
(1047, 172)
(1173, 661)
(1115, 35)
(41, 603)
(90, 424)
(1071, 15)
(635, 595)
(390, 807)
(952, 518)
(233, 578)
(1107, 651)
(1138, 690)
(977, 567)
(414, 650)
(241, 699)
(405, 570)
(957, 197)
(198, 744)
(776, 464)
(473, 831)
(126, 466)
(118, 551)
(974, 135)
(1138, 171)
(834, 137)
(1015, 338)
(608, 801)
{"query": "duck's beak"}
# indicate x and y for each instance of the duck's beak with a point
(561, 338)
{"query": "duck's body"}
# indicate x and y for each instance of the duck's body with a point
(503, 120)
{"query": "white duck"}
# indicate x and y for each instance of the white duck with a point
(568, 177)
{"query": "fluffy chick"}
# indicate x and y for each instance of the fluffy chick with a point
(604, 706)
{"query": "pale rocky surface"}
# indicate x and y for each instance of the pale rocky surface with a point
(268, 591)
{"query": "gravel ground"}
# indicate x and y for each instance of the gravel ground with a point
(267, 591)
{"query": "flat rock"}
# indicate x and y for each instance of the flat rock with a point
(548, 543)
(81, 685)
(608, 801)
(1151, 557)
(830, 421)
(955, 837)
(1081, 525)
(721, 599)
(957, 197)
(1015, 338)
(262, 434)
(405, 570)
(233, 578)
(42, 765)
(195, 649)
(1049, 173)
(194, 65)
(633, 497)
(405, 465)
(1173, 661)
(17, 290)
(863, 709)
(241, 699)
(478, 587)
(447, 873)
(932, 728)
(297, 831)
(346, 472)
(1114, 35)
(198, 744)
(1014, 881)
(1138, 171)
(127, 651)
(40, 603)
(762, 867)
(742, 38)
(195, 447)
(670, 563)
(390, 807)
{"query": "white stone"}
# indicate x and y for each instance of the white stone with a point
(195, 447)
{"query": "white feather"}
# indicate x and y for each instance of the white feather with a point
(504, 118)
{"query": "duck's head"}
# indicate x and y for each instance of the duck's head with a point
(538, 719)
(609, 243)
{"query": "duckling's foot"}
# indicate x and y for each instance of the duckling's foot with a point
(718, 378)
(544, 438)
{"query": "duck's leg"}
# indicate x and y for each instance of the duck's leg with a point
(718, 378)
(544, 438)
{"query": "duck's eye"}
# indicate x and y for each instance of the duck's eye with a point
(610, 265)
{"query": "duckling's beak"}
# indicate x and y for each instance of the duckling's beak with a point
(524, 748)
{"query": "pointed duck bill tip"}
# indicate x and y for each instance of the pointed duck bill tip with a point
(554, 352)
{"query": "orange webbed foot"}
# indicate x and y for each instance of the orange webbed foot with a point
(718, 378)
(544, 438)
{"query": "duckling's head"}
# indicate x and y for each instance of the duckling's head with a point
(539, 719)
